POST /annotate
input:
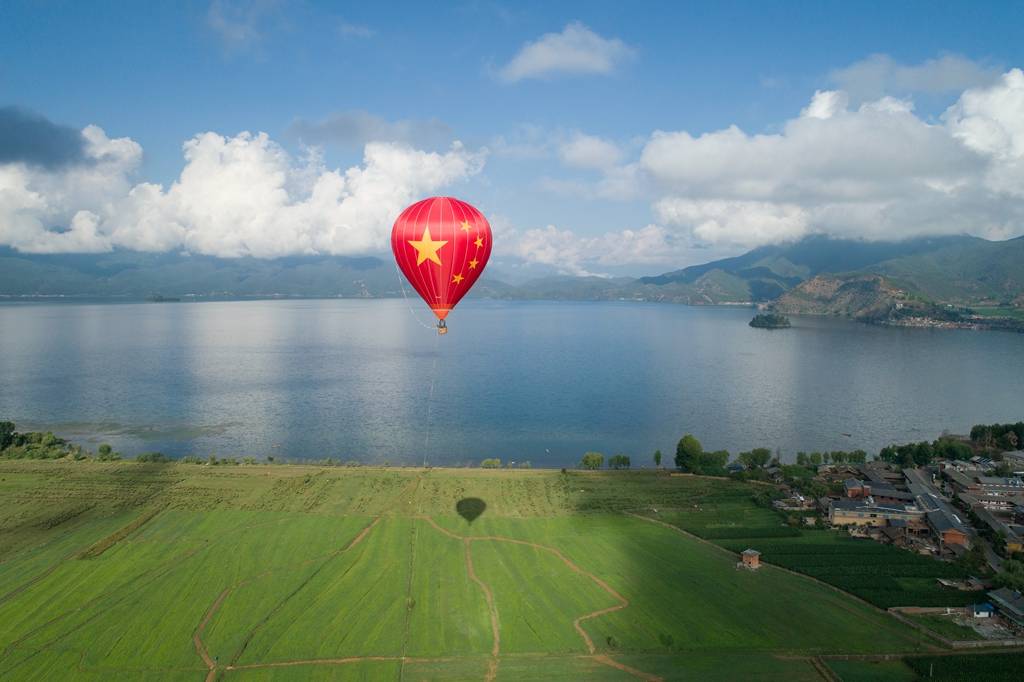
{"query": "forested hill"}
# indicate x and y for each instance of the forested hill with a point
(136, 275)
(959, 270)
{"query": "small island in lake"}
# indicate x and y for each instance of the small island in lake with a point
(770, 321)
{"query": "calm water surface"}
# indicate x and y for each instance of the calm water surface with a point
(533, 381)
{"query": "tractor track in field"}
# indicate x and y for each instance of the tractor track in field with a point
(577, 623)
(119, 534)
(140, 580)
(197, 636)
(412, 489)
(342, 661)
(144, 579)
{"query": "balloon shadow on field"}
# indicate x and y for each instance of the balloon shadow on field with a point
(470, 508)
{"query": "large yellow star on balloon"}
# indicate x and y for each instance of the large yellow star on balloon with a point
(426, 247)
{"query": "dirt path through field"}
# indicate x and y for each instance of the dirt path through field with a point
(492, 666)
(609, 661)
(577, 623)
(197, 636)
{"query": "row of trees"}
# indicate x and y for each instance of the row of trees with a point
(6, 435)
(618, 462)
(212, 460)
(595, 460)
(45, 445)
(1001, 437)
(691, 457)
(35, 445)
(921, 454)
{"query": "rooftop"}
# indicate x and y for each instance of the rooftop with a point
(960, 478)
(865, 504)
(1012, 482)
(888, 491)
(1008, 599)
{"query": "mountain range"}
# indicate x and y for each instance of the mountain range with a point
(958, 270)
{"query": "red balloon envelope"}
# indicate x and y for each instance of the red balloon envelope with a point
(441, 245)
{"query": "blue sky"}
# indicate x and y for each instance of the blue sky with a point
(594, 78)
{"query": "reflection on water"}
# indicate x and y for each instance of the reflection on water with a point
(353, 379)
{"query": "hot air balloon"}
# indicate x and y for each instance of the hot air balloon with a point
(441, 245)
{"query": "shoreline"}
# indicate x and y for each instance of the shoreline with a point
(972, 322)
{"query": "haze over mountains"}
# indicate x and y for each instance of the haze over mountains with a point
(960, 270)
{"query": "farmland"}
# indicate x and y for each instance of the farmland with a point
(880, 574)
(1002, 311)
(178, 571)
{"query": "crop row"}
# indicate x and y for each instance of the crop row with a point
(892, 570)
(882, 575)
(937, 596)
(734, 532)
(990, 668)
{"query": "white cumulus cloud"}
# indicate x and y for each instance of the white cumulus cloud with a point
(236, 196)
(877, 171)
(991, 121)
(576, 50)
(826, 104)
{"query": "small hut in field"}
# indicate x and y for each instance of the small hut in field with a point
(750, 559)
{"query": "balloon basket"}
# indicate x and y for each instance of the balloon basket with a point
(442, 328)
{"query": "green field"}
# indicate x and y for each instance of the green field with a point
(945, 626)
(1015, 313)
(872, 671)
(967, 668)
(176, 571)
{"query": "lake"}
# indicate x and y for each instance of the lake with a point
(369, 380)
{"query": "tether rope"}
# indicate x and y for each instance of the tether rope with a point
(433, 371)
(430, 400)
(401, 285)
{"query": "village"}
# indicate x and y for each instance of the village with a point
(969, 511)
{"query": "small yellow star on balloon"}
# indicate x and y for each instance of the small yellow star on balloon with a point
(457, 279)
(473, 263)
(479, 242)
(465, 226)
